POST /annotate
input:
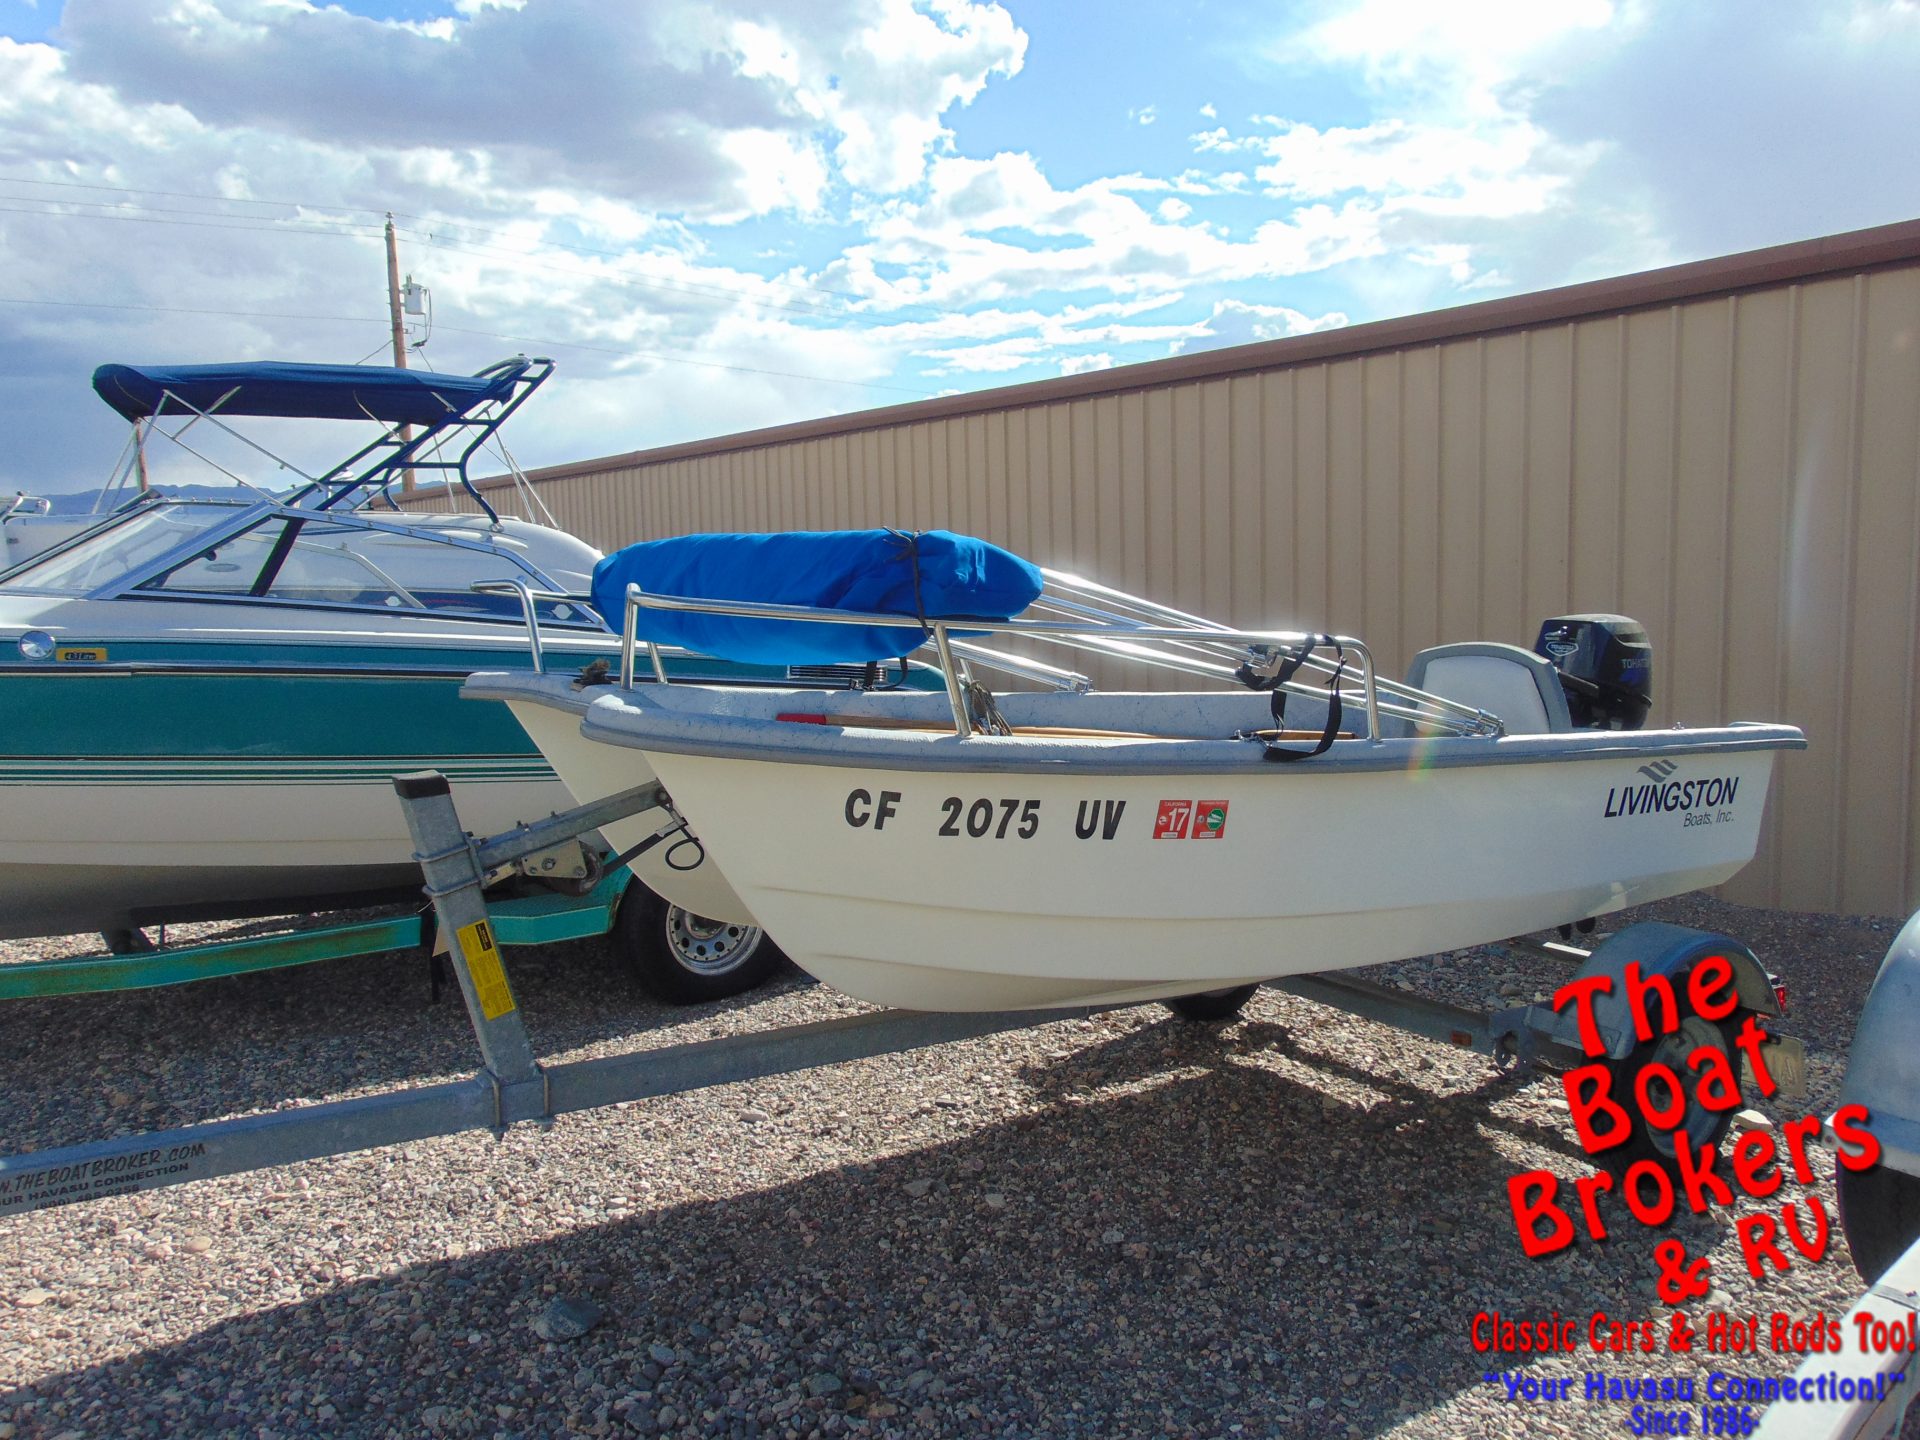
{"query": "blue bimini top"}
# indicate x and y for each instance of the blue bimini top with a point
(319, 392)
(924, 575)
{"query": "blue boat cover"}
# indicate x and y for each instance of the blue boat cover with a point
(318, 392)
(931, 574)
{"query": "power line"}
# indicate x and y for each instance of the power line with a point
(665, 356)
(681, 360)
(690, 287)
(188, 195)
(272, 227)
(193, 310)
(114, 208)
(427, 220)
(622, 254)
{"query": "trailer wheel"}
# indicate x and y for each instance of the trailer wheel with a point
(1880, 1213)
(1212, 1004)
(685, 958)
(1703, 1127)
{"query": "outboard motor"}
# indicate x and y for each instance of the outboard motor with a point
(1606, 668)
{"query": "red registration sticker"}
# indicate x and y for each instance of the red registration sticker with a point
(1172, 821)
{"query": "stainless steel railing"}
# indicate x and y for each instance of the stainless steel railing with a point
(1114, 635)
(529, 608)
(1100, 620)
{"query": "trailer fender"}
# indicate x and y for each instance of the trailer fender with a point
(1659, 949)
(1883, 1072)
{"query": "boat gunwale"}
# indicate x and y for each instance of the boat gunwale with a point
(607, 721)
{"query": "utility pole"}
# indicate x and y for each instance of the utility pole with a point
(399, 334)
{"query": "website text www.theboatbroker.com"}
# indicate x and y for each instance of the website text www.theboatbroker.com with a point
(1612, 1104)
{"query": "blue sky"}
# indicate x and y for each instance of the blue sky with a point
(723, 214)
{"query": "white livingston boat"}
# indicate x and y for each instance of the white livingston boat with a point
(979, 851)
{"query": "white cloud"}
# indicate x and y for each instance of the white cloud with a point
(903, 71)
(1081, 364)
(1464, 48)
(1232, 322)
(1558, 141)
(989, 229)
(680, 106)
(502, 133)
(1237, 322)
(1493, 169)
(1455, 155)
(789, 190)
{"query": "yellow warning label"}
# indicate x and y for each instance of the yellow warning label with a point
(483, 964)
(94, 653)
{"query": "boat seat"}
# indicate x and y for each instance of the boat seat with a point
(1522, 688)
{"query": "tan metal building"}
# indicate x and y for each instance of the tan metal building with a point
(1728, 451)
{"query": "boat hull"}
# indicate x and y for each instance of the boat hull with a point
(1314, 874)
(681, 873)
(194, 758)
(136, 796)
(999, 872)
(74, 859)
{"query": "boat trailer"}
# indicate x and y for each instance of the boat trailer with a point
(539, 918)
(512, 1086)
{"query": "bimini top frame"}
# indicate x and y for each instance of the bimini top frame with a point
(456, 415)
(1081, 615)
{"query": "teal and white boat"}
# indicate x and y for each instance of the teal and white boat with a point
(29, 525)
(202, 702)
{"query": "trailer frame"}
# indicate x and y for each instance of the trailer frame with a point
(512, 1086)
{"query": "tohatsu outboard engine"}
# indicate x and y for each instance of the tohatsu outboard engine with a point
(1606, 668)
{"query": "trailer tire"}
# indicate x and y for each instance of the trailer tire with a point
(1880, 1213)
(1212, 1004)
(684, 958)
(1703, 1127)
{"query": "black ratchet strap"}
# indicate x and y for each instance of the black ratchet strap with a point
(911, 540)
(1277, 696)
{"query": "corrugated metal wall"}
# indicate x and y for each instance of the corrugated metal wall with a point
(1741, 473)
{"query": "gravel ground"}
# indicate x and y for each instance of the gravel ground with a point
(1123, 1226)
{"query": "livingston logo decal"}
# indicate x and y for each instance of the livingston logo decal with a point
(1662, 793)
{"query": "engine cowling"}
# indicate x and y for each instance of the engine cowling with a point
(1606, 668)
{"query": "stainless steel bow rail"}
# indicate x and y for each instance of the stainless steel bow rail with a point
(513, 1085)
(1115, 625)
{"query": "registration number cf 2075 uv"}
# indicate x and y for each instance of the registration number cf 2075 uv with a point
(1019, 818)
(979, 818)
